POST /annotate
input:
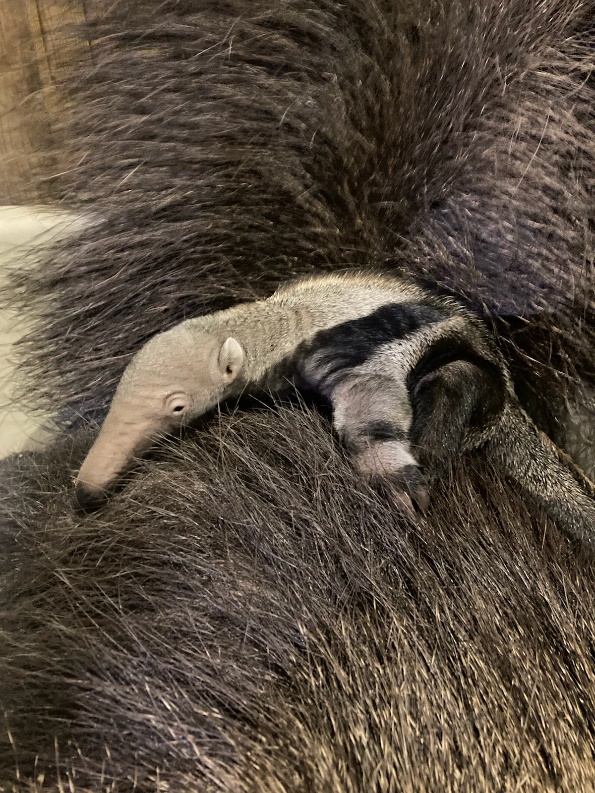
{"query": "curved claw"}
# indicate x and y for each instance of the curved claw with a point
(391, 462)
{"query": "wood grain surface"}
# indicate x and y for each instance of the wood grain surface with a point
(38, 46)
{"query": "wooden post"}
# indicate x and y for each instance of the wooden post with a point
(37, 46)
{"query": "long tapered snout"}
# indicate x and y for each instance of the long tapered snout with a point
(118, 442)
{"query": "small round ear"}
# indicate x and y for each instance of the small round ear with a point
(231, 359)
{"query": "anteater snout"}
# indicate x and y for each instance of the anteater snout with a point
(89, 499)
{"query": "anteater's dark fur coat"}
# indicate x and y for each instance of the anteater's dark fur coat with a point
(246, 615)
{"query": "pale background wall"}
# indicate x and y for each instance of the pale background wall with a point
(36, 50)
(21, 229)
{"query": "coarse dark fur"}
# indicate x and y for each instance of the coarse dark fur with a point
(230, 146)
(247, 615)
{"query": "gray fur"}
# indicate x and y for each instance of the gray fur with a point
(249, 615)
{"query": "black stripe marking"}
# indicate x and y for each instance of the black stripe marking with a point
(350, 344)
(383, 430)
(356, 437)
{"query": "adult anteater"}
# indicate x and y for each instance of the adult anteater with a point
(247, 615)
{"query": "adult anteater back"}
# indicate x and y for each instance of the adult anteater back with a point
(247, 615)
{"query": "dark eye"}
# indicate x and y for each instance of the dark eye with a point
(176, 404)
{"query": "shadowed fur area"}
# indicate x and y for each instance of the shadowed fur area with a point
(246, 614)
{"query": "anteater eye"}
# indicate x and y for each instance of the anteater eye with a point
(177, 403)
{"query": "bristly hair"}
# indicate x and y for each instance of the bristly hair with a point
(247, 615)
(229, 146)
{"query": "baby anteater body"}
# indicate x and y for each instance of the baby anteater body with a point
(413, 380)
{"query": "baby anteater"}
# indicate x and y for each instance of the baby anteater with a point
(413, 380)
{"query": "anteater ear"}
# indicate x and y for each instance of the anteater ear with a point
(231, 359)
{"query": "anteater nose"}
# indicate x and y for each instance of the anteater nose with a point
(89, 499)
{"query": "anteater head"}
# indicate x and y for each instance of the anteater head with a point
(177, 376)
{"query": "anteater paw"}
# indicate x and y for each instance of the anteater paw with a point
(390, 462)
